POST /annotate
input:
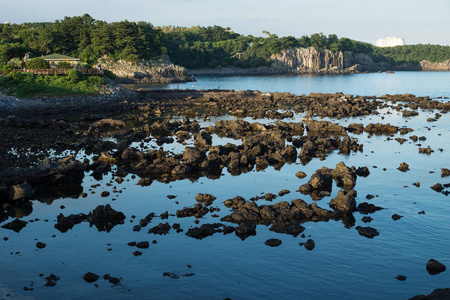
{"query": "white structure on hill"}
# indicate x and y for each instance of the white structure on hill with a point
(390, 41)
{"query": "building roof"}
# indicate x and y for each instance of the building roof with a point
(58, 57)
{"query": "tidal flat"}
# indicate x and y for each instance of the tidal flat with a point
(184, 194)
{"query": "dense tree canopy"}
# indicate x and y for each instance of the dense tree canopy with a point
(81, 37)
(195, 47)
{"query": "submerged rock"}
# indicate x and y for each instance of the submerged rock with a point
(273, 242)
(368, 232)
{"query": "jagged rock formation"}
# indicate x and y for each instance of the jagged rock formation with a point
(306, 61)
(154, 71)
(311, 60)
(435, 66)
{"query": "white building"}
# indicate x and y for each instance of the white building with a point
(390, 41)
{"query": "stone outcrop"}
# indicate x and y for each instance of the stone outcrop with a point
(154, 71)
(306, 61)
(435, 66)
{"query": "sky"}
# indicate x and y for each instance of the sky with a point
(417, 21)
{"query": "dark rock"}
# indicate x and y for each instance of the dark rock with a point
(344, 202)
(300, 174)
(40, 245)
(143, 245)
(104, 194)
(137, 253)
(401, 278)
(396, 217)
(292, 227)
(437, 294)
(90, 277)
(366, 219)
(362, 171)
(206, 199)
(137, 228)
(309, 245)
(114, 280)
(403, 167)
(105, 218)
(65, 223)
(20, 192)
(437, 187)
(434, 267)
(368, 208)
(206, 230)
(273, 242)
(161, 229)
(445, 172)
(51, 280)
(368, 232)
(244, 230)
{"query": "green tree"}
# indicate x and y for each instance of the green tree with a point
(38, 63)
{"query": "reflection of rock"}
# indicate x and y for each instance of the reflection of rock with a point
(206, 230)
(105, 218)
(16, 225)
(63, 224)
(244, 230)
(20, 192)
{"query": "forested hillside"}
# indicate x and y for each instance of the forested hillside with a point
(195, 47)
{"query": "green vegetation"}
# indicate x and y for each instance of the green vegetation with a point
(28, 84)
(196, 47)
(412, 53)
(81, 37)
(38, 63)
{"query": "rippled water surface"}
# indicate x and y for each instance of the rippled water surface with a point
(343, 265)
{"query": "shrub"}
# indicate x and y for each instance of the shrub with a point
(38, 63)
(15, 75)
(73, 75)
(63, 65)
(109, 74)
(16, 63)
(5, 69)
(97, 80)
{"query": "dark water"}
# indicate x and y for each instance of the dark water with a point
(433, 84)
(343, 265)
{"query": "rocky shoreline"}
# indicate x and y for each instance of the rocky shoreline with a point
(37, 134)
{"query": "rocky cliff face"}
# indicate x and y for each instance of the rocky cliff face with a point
(155, 71)
(307, 61)
(310, 60)
(435, 66)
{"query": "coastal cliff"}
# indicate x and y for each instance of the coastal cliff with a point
(306, 61)
(435, 66)
(145, 71)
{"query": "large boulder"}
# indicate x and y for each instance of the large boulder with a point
(344, 202)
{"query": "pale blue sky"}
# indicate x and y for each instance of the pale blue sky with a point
(417, 21)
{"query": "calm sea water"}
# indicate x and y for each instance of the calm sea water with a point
(343, 265)
(433, 84)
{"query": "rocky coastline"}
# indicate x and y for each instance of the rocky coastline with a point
(159, 70)
(106, 127)
(310, 61)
